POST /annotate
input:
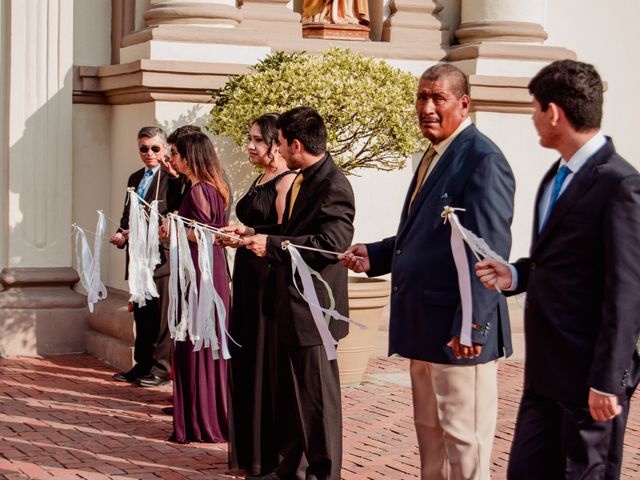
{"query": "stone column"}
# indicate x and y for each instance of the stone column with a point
(414, 22)
(195, 30)
(502, 21)
(37, 51)
(272, 17)
(501, 46)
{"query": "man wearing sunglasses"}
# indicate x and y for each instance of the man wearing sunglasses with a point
(152, 349)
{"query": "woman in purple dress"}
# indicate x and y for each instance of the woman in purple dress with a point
(200, 382)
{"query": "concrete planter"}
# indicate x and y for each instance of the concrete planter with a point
(367, 299)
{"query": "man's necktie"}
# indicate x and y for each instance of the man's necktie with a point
(559, 179)
(295, 189)
(144, 183)
(423, 169)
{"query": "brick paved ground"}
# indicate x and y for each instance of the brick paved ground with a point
(63, 417)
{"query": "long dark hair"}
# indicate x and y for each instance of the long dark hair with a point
(201, 158)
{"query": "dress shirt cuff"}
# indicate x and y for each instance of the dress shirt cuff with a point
(514, 279)
(602, 393)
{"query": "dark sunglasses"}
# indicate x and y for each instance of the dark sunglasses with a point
(154, 149)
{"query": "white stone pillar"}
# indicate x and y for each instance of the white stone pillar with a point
(502, 20)
(194, 30)
(39, 313)
(39, 133)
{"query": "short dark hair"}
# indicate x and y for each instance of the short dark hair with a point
(459, 83)
(305, 125)
(184, 129)
(267, 125)
(576, 87)
(150, 132)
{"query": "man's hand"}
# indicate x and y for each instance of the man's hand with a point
(242, 232)
(492, 273)
(603, 407)
(257, 244)
(119, 238)
(356, 258)
(463, 351)
(165, 230)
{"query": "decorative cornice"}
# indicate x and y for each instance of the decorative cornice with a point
(500, 94)
(508, 51)
(151, 80)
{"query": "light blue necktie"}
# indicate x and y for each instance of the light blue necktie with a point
(144, 183)
(559, 179)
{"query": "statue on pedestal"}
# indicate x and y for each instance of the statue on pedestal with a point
(336, 12)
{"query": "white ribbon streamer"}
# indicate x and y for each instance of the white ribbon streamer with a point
(460, 235)
(321, 316)
(153, 237)
(97, 291)
(89, 265)
(177, 322)
(464, 276)
(141, 283)
(187, 277)
(210, 304)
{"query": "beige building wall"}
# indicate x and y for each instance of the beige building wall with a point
(602, 33)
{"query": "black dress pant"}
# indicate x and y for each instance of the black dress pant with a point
(152, 348)
(554, 440)
(309, 414)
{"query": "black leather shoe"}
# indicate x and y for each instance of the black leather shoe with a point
(152, 380)
(131, 376)
(270, 476)
(167, 410)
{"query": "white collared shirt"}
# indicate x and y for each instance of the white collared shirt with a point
(574, 164)
(441, 147)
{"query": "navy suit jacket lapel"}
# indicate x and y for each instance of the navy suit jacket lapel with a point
(582, 181)
(443, 165)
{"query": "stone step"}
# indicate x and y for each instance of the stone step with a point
(111, 332)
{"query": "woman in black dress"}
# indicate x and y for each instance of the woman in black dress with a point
(252, 436)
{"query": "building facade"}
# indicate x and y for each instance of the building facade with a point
(80, 77)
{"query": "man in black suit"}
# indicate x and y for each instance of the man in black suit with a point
(152, 349)
(582, 280)
(454, 385)
(319, 214)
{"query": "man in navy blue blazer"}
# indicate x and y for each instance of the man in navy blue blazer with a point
(454, 385)
(582, 279)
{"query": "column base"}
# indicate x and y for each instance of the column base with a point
(39, 312)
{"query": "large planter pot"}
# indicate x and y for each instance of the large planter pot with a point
(367, 299)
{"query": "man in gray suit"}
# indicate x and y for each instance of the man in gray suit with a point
(454, 385)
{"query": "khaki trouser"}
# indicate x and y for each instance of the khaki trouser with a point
(455, 409)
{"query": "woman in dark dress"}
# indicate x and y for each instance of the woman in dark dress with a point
(200, 382)
(252, 437)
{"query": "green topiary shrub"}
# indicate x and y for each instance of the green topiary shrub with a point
(368, 105)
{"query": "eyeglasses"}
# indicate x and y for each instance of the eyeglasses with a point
(154, 149)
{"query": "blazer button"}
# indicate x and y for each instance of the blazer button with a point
(398, 252)
(527, 304)
(533, 265)
(395, 288)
